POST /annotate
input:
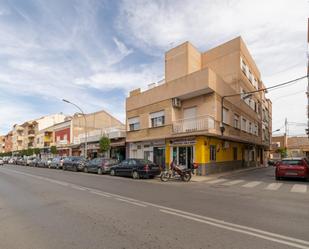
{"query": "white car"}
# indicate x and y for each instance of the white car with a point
(11, 161)
(1, 162)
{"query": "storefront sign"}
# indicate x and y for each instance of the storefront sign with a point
(188, 141)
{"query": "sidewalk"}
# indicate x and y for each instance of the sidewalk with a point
(196, 178)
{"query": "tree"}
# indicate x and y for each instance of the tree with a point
(282, 151)
(36, 151)
(29, 152)
(53, 149)
(104, 144)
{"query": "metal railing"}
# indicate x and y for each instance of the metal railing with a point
(200, 123)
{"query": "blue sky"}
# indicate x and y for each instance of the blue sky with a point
(94, 52)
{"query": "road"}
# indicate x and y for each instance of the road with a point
(45, 208)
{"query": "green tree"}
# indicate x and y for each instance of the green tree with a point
(36, 151)
(104, 144)
(283, 152)
(29, 152)
(53, 149)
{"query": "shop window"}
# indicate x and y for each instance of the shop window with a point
(213, 153)
(235, 153)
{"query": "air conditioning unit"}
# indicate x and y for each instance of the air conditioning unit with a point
(176, 102)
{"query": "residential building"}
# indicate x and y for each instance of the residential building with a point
(180, 117)
(18, 138)
(294, 146)
(62, 137)
(8, 142)
(2, 144)
(98, 124)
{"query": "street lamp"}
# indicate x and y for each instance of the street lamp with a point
(275, 130)
(85, 126)
(222, 128)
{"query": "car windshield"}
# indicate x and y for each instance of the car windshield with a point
(292, 162)
(143, 161)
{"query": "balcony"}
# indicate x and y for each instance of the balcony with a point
(31, 133)
(202, 123)
(19, 138)
(30, 145)
(19, 128)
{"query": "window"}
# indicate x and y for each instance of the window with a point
(157, 119)
(212, 154)
(225, 115)
(256, 130)
(250, 127)
(65, 137)
(236, 121)
(234, 153)
(58, 138)
(244, 124)
(134, 124)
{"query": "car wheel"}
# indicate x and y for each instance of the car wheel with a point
(113, 172)
(278, 178)
(63, 168)
(85, 169)
(100, 171)
(75, 169)
(135, 175)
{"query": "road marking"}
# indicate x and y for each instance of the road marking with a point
(232, 182)
(251, 184)
(274, 186)
(299, 188)
(99, 193)
(131, 202)
(295, 245)
(77, 187)
(217, 181)
(294, 242)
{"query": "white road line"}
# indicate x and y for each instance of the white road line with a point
(219, 223)
(274, 186)
(293, 244)
(77, 187)
(230, 183)
(299, 188)
(131, 202)
(99, 193)
(217, 181)
(251, 184)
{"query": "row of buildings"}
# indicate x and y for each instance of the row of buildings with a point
(190, 116)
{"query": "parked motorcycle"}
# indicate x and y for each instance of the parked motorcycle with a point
(176, 172)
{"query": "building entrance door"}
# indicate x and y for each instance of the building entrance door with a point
(159, 156)
(183, 155)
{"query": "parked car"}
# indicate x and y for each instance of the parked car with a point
(56, 163)
(11, 161)
(1, 161)
(273, 162)
(42, 163)
(74, 163)
(48, 162)
(33, 162)
(292, 167)
(136, 168)
(100, 165)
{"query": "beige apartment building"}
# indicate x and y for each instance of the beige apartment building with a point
(181, 118)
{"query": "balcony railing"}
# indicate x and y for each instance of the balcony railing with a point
(201, 123)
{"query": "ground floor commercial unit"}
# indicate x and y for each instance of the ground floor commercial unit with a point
(117, 150)
(213, 155)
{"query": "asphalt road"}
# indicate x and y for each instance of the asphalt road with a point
(45, 208)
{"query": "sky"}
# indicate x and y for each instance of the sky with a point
(94, 52)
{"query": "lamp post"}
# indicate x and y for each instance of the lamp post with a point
(275, 131)
(85, 126)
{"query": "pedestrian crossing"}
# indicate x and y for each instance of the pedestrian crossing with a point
(301, 188)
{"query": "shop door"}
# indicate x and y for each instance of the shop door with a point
(159, 156)
(185, 156)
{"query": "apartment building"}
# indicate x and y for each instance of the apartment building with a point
(29, 135)
(98, 124)
(8, 142)
(191, 117)
(2, 144)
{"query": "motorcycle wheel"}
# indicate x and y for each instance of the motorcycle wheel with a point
(164, 176)
(186, 177)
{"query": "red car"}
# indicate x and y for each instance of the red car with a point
(292, 167)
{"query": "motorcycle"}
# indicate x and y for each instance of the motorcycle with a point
(177, 172)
